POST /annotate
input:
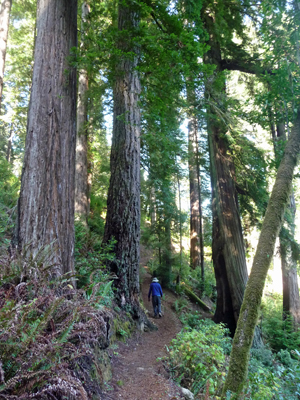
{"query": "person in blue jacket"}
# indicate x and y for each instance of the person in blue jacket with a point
(157, 293)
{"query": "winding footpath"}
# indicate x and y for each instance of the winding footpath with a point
(138, 372)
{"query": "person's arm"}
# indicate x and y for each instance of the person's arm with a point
(161, 292)
(150, 290)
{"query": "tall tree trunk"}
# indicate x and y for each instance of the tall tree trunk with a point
(152, 206)
(180, 223)
(290, 289)
(195, 204)
(82, 176)
(5, 6)
(165, 269)
(46, 202)
(123, 202)
(228, 250)
(239, 359)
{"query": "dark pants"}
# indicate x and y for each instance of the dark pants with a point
(156, 302)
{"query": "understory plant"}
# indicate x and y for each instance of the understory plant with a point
(198, 355)
(280, 333)
(50, 333)
(90, 262)
(198, 360)
(9, 187)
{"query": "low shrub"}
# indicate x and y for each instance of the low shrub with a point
(90, 263)
(279, 333)
(196, 356)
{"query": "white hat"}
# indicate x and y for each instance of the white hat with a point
(154, 280)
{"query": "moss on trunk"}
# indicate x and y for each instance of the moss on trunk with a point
(238, 367)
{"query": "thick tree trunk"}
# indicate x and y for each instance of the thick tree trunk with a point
(46, 203)
(228, 250)
(123, 202)
(82, 175)
(5, 6)
(239, 359)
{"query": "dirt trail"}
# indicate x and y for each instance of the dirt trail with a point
(137, 374)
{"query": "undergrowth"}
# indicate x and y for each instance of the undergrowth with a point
(49, 333)
(9, 187)
(198, 359)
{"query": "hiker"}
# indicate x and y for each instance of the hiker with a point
(157, 293)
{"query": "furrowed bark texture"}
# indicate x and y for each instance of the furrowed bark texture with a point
(228, 250)
(239, 359)
(46, 203)
(5, 7)
(123, 202)
(82, 176)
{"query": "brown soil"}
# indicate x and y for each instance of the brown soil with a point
(138, 372)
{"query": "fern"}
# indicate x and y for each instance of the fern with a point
(47, 331)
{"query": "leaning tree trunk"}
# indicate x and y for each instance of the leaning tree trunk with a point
(228, 250)
(82, 175)
(290, 289)
(46, 203)
(5, 6)
(239, 359)
(123, 202)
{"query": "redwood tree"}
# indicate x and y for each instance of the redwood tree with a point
(196, 239)
(123, 202)
(228, 251)
(46, 202)
(81, 181)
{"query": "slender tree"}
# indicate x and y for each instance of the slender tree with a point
(46, 202)
(195, 202)
(5, 6)
(123, 202)
(242, 342)
(81, 177)
(290, 289)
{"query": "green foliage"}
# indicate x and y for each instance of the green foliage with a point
(17, 78)
(90, 263)
(208, 287)
(197, 354)
(181, 305)
(9, 188)
(100, 168)
(48, 333)
(271, 379)
(280, 334)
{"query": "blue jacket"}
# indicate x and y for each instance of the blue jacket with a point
(156, 290)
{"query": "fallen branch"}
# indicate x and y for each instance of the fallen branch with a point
(193, 297)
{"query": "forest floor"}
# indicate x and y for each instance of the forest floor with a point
(138, 372)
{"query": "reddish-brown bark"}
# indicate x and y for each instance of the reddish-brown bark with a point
(123, 202)
(46, 203)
